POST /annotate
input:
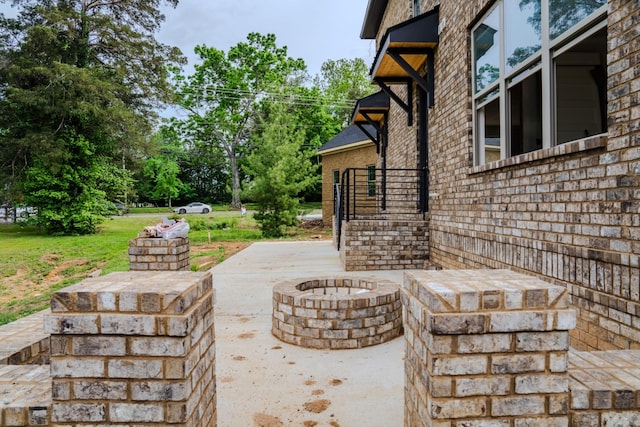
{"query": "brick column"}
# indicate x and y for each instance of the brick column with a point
(485, 347)
(156, 253)
(134, 348)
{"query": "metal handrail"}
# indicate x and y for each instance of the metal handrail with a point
(368, 193)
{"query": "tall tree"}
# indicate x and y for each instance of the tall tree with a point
(162, 170)
(223, 95)
(280, 169)
(79, 84)
(343, 82)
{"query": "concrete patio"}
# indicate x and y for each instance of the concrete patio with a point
(262, 381)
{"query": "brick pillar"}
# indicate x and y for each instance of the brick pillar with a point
(134, 348)
(156, 253)
(485, 347)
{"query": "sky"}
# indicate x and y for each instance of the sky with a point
(312, 30)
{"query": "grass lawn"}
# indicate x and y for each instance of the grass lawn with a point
(34, 265)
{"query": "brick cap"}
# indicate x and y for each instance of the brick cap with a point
(159, 292)
(455, 291)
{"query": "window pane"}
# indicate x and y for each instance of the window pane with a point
(490, 130)
(526, 115)
(371, 181)
(486, 51)
(581, 89)
(564, 14)
(336, 176)
(522, 31)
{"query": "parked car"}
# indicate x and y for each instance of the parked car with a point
(195, 207)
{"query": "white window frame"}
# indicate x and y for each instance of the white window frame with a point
(542, 61)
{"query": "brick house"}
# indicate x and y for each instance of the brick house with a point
(351, 148)
(525, 118)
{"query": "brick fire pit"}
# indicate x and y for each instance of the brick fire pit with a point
(336, 312)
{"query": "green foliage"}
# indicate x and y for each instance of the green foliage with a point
(281, 170)
(67, 197)
(223, 95)
(343, 82)
(82, 71)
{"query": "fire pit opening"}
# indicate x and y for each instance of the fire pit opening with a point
(336, 312)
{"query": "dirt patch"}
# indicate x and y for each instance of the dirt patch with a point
(310, 423)
(317, 392)
(239, 358)
(317, 406)
(247, 335)
(265, 420)
(56, 275)
(336, 382)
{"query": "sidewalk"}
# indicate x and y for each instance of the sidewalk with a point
(262, 381)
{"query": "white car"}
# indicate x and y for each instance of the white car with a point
(195, 207)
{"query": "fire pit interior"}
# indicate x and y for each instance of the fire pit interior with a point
(336, 312)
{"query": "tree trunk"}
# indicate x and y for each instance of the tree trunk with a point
(235, 183)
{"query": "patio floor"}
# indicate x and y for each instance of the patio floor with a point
(262, 381)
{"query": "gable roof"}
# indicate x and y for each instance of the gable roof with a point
(351, 135)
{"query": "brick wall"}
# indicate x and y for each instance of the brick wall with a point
(134, 348)
(359, 157)
(568, 214)
(384, 244)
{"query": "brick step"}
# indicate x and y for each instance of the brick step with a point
(24, 341)
(25, 395)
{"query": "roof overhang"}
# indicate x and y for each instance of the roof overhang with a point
(371, 110)
(373, 18)
(348, 147)
(405, 48)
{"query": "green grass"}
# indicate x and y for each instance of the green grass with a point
(27, 256)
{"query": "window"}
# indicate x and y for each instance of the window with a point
(416, 8)
(336, 176)
(539, 76)
(371, 180)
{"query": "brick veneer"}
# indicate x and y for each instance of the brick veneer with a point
(134, 348)
(485, 347)
(567, 214)
(335, 313)
(384, 244)
(159, 254)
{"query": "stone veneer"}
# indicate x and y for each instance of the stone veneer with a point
(384, 244)
(159, 254)
(485, 347)
(134, 348)
(312, 313)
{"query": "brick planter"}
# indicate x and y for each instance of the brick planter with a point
(336, 313)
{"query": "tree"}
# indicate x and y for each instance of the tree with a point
(223, 95)
(343, 82)
(162, 171)
(280, 169)
(77, 78)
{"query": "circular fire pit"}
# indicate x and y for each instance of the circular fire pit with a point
(336, 312)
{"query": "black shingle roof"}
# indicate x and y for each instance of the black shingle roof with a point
(350, 135)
